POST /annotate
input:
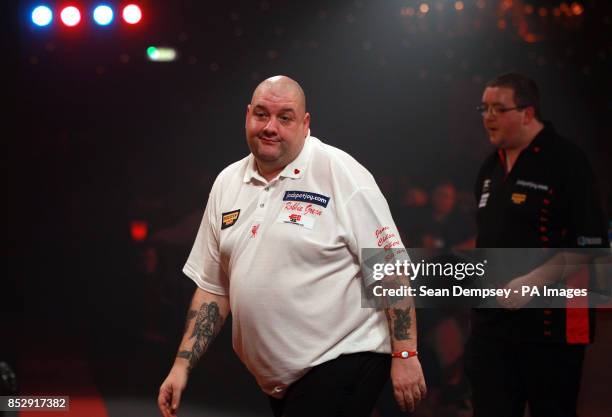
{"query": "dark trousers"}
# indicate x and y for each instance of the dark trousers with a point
(505, 376)
(347, 386)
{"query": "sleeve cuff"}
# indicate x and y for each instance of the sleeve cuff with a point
(200, 282)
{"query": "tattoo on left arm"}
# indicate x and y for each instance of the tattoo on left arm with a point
(401, 324)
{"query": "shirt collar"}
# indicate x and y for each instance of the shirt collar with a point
(542, 138)
(295, 169)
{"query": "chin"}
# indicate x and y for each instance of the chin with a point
(267, 157)
(495, 141)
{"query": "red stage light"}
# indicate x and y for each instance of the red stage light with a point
(139, 230)
(132, 14)
(70, 16)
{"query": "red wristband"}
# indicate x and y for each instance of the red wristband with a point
(404, 354)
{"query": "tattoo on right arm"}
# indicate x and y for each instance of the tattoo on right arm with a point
(207, 325)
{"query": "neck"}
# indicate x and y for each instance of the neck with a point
(269, 172)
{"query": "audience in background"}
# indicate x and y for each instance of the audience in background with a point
(445, 224)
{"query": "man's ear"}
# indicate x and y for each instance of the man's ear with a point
(529, 114)
(246, 116)
(306, 124)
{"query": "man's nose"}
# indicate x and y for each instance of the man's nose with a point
(272, 126)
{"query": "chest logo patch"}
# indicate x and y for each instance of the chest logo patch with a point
(532, 185)
(229, 219)
(519, 198)
(483, 200)
(254, 230)
(486, 185)
(300, 214)
(306, 197)
(302, 208)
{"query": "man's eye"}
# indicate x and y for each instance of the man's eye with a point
(285, 119)
(260, 114)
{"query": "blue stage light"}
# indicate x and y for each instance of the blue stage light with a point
(42, 16)
(103, 15)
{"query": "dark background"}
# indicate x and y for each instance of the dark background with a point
(98, 137)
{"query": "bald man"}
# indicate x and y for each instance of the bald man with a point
(280, 247)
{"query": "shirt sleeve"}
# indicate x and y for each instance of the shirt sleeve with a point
(374, 238)
(204, 265)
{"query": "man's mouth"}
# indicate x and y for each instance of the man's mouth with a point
(268, 140)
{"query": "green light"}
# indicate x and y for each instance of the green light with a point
(161, 54)
(151, 51)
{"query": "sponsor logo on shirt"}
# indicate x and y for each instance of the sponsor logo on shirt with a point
(519, 198)
(306, 197)
(288, 217)
(229, 219)
(483, 200)
(532, 185)
(305, 209)
(254, 230)
(486, 185)
(300, 214)
(386, 239)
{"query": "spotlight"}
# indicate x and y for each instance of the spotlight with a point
(103, 15)
(132, 14)
(42, 16)
(71, 16)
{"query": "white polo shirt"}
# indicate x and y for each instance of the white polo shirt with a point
(287, 252)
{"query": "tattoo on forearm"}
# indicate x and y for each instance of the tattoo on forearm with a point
(185, 354)
(207, 325)
(401, 324)
(190, 316)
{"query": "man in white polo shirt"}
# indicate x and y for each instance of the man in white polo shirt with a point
(280, 247)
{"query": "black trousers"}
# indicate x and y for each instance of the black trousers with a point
(347, 386)
(505, 376)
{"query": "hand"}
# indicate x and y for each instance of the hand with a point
(408, 383)
(171, 389)
(516, 301)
